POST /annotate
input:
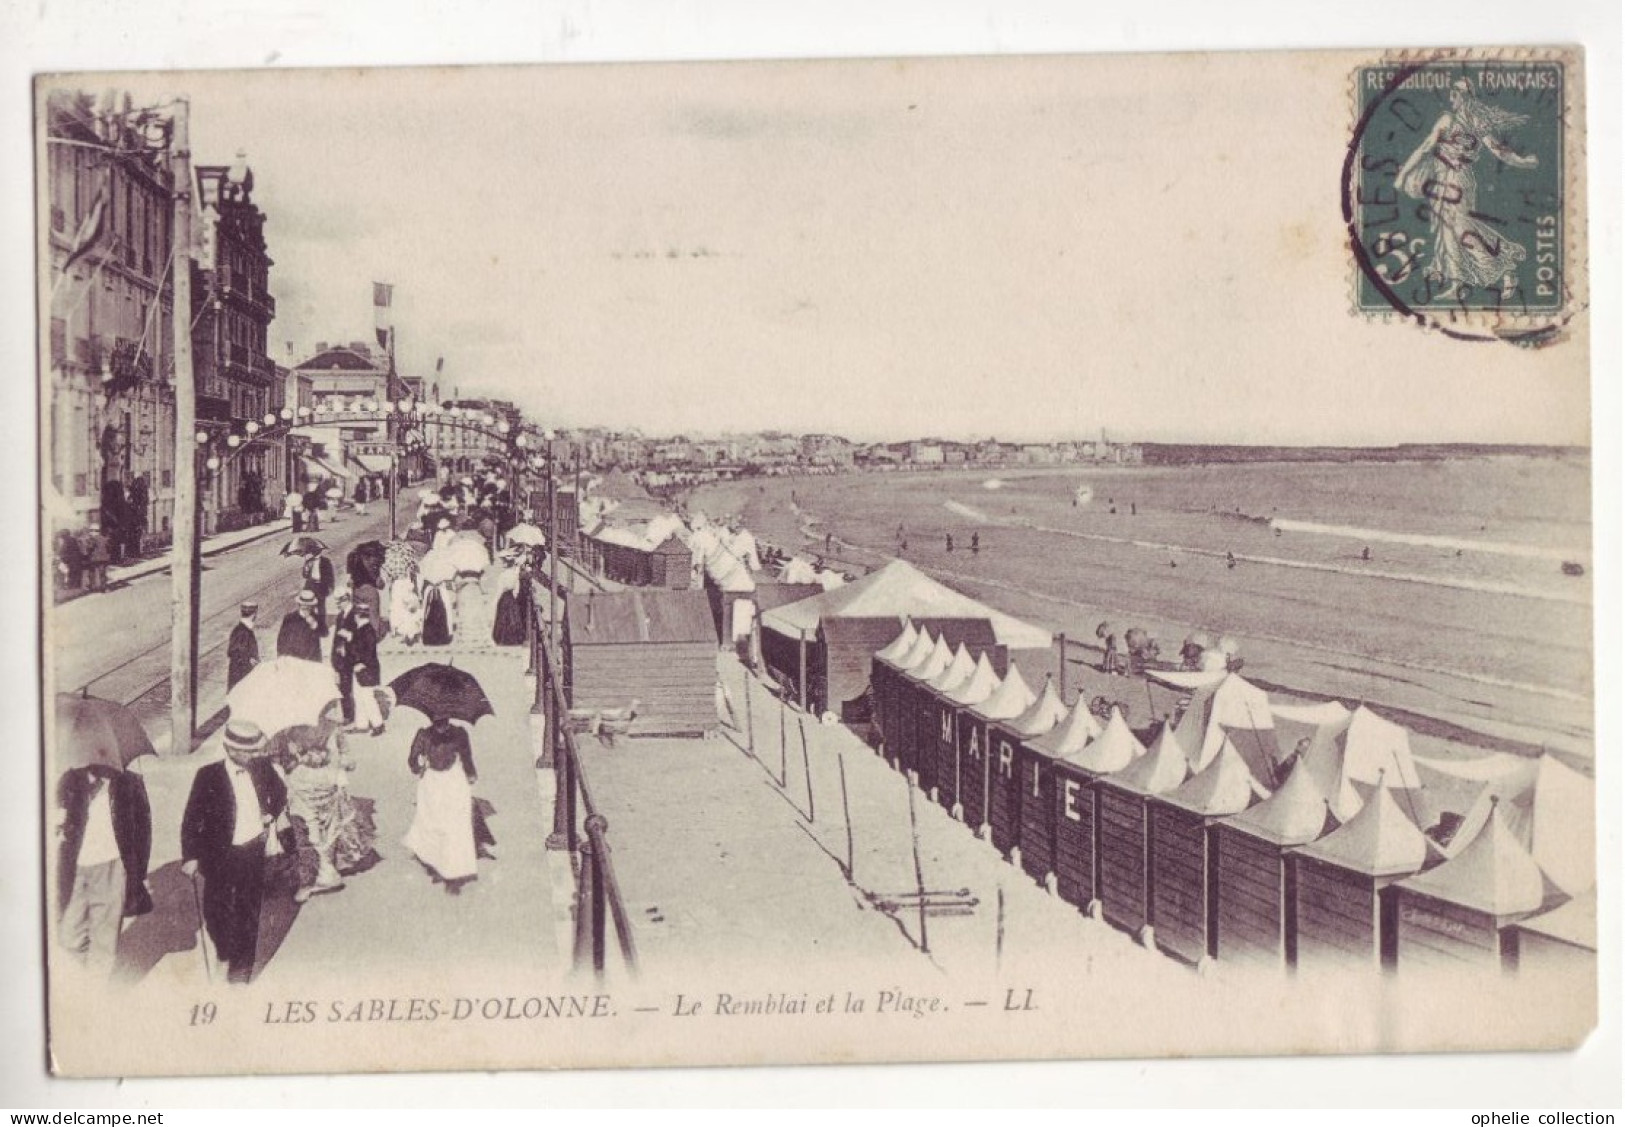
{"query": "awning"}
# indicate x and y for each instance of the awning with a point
(320, 468)
(372, 463)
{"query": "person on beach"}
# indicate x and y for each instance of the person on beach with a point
(975, 542)
(436, 621)
(243, 647)
(319, 580)
(1108, 661)
(950, 541)
(405, 610)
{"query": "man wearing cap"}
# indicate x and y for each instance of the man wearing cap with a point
(243, 648)
(297, 636)
(363, 661)
(224, 833)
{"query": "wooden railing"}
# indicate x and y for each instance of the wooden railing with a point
(579, 829)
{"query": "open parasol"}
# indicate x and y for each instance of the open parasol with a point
(437, 566)
(526, 534)
(283, 692)
(400, 559)
(441, 692)
(468, 555)
(91, 732)
(300, 545)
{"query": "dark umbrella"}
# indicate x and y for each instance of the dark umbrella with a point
(91, 732)
(441, 692)
(299, 545)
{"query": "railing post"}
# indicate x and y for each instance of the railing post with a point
(587, 894)
(563, 836)
(593, 862)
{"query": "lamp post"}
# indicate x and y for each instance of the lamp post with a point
(184, 562)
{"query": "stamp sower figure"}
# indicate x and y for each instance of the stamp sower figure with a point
(243, 647)
(224, 834)
(297, 636)
(1467, 251)
(106, 831)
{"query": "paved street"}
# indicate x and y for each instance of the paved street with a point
(116, 643)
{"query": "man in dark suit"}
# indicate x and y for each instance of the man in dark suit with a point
(364, 665)
(343, 634)
(319, 580)
(224, 834)
(243, 648)
(297, 636)
(106, 832)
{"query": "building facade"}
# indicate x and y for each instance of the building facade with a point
(237, 382)
(109, 430)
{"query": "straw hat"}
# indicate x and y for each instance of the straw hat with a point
(243, 736)
(307, 598)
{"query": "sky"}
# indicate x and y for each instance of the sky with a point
(1034, 249)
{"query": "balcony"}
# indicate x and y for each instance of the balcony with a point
(241, 363)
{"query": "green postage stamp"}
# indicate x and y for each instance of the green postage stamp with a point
(1460, 191)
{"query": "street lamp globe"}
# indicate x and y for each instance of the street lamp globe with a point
(503, 427)
(519, 441)
(270, 419)
(213, 463)
(252, 427)
(233, 441)
(202, 437)
(287, 415)
(405, 406)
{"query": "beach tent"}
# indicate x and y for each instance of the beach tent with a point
(1180, 855)
(1252, 872)
(1228, 706)
(1123, 836)
(1459, 913)
(1343, 898)
(896, 590)
(1011, 776)
(1456, 793)
(1010, 699)
(1344, 748)
(1563, 837)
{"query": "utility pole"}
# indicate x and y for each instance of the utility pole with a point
(183, 572)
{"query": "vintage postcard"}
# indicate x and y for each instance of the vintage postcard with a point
(862, 561)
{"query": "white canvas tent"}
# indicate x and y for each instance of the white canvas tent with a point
(896, 590)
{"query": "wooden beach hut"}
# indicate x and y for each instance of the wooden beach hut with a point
(1070, 757)
(903, 703)
(842, 660)
(1561, 943)
(1255, 891)
(1462, 913)
(948, 773)
(883, 682)
(1009, 784)
(959, 671)
(647, 645)
(1035, 767)
(1123, 829)
(920, 704)
(1008, 700)
(1183, 876)
(1343, 896)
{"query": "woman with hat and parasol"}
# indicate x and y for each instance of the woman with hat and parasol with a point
(442, 831)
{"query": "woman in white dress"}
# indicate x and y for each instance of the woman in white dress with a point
(442, 831)
(405, 611)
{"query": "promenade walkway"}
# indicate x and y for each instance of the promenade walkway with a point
(391, 918)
